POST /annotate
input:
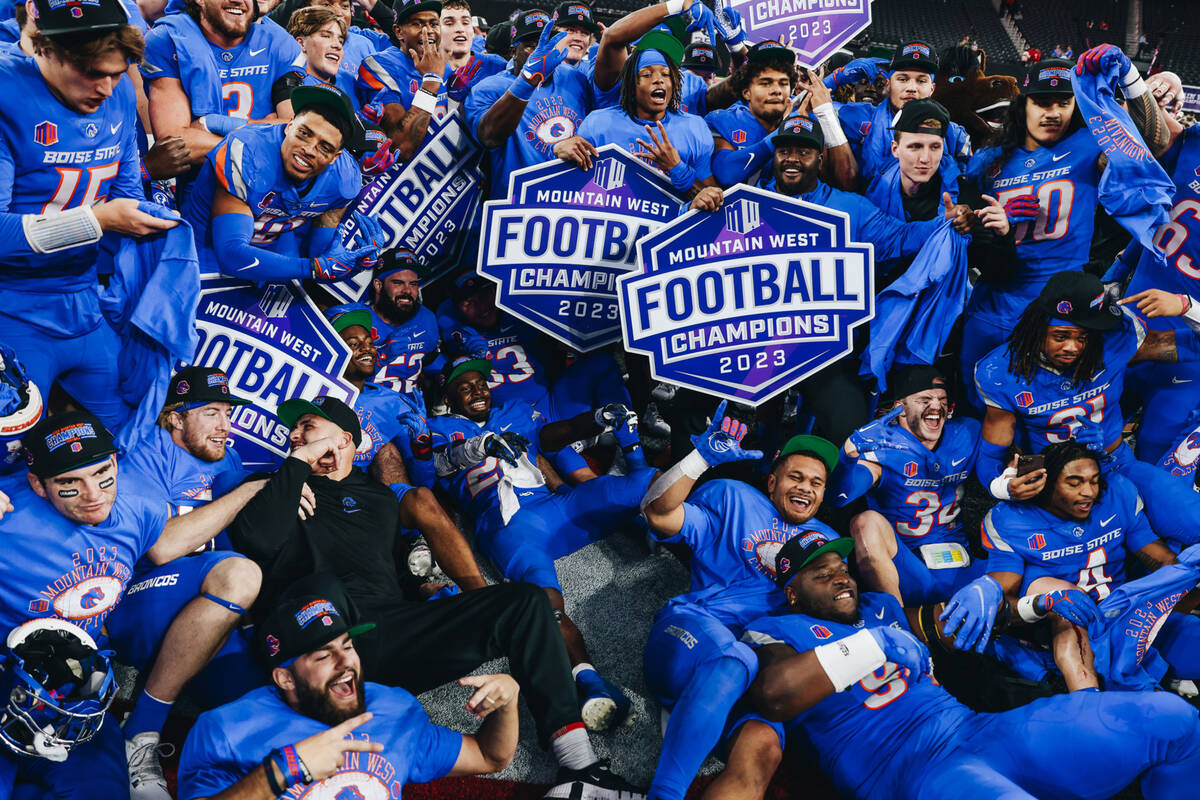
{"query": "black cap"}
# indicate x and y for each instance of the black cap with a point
(499, 40)
(528, 24)
(771, 51)
(923, 116)
(310, 614)
(580, 14)
(196, 386)
(397, 260)
(799, 551)
(1048, 76)
(335, 99)
(79, 19)
(915, 56)
(65, 442)
(700, 55)
(912, 378)
(406, 8)
(801, 129)
(332, 409)
(1079, 299)
(465, 286)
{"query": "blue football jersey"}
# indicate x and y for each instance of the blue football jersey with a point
(734, 533)
(54, 159)
(53, 567)
(390, 76)
(736, 125)
(377, 408)
(248, 165)
(403, 350)
(890, 710)
(1028, 540)
(355, 51)
(518, 374)
(491, 484)
(227, 743)
(688, 133)
(1181, 460)
(920, 489)
(554, 112)
(869, 131)
(1182, 252)
(1064, 179)
(693, 97)
(1049, 408)
(235, 82)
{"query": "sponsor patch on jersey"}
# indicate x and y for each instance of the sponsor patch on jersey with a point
(739, 137)
(322, 609)
(1025, 399)
(45, 134)
(910, 469)
(821, 632)
(1037, 541)
(39, 606)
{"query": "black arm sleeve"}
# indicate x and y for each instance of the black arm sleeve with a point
(264, 526)
(282, 88)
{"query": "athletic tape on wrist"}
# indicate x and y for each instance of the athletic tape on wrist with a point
(1026, 610)
(1192, 315)
(431, 76)
(691, 466)
(847, 661)
(999, 485)
(59, 230)
(827, 115)
(675, 7)
(424, 101)
(1132, 84)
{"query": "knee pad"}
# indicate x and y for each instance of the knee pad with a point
(223, 603)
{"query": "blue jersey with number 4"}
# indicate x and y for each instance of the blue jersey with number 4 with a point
(889, 708)
(1050, 408)
(1026, 539)
(920, 489)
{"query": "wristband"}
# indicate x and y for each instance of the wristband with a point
(521, 88)
(826, 114)
(59, 230)
(1132, 84)
(847, 661)
(431, 76)
(682, 176)
(280, 761)
(1186, 299)
(999, 485)
(1027, 611)
(675, 7)
(425, 101)
(1192, 315)
(268, 764)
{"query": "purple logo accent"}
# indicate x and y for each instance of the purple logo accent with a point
(814, 30)
(183, 387)
(919, 49)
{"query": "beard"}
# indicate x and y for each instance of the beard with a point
(231, 28)
(315, 703)
(395, 314)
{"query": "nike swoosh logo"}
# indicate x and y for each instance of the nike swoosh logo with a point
(256, 52)
(506, 427)
(1180, 380)
(881, 613)
(843, 494)
(1060, 156)
(115, 128)
(251, 265)
(956, 463)
(1104, 522)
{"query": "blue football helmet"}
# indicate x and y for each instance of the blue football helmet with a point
(56, 687)
(20, 409)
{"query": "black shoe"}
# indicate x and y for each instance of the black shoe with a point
(596, 782)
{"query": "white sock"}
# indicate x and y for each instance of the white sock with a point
(578, 668)
(572, 748)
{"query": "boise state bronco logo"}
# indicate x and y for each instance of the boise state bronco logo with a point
(555, 129)
(372, 777)
(1064, 307)
(88, 598)
(910, 469)
(821, 632)
(1037, 541)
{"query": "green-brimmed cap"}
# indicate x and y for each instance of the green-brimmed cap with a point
(465, 364)
(799, 551)
(815, 444)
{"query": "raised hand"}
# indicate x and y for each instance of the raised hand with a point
(428, 58)
(722, 442)
(662, 153)
(993, 216)
(881, 434)
(546, 57)
(342, 259)
(1073, 605)
(1022, 208)
(378, 162)
(971, 613)
(700, 17)
(855, 71)
(1100, 58)
(506, 446)
(729, 26)
(1090, 434)
(325, 753)
(492, 692)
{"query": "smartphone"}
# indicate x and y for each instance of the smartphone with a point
(1027, 464)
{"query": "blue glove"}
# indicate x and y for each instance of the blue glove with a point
(1022, 208)
(373, 113)
(903, 649)
(1090, 434)
(546, 57)
(854, 71)
(1100, 59)
(342, 259)
(506, 446)
(1073, 605)
(700, 17)
(729, 26)
(472, 344)
(972, 612)
(721, 443)
(378, 162)
(418, 434)
(881, 434)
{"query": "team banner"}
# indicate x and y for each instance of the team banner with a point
(746, 301)
(559, 242)
(426, 205)
(274, 344)
(1191, 99)
(815, 29)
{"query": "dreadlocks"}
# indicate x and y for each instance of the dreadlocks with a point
(1028, 337)
(629, 72)
(1057, 457)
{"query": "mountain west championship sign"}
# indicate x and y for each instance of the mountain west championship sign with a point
(744, 302)
(559, 242)
(426, 205)
(813, 28)
(274, 344)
